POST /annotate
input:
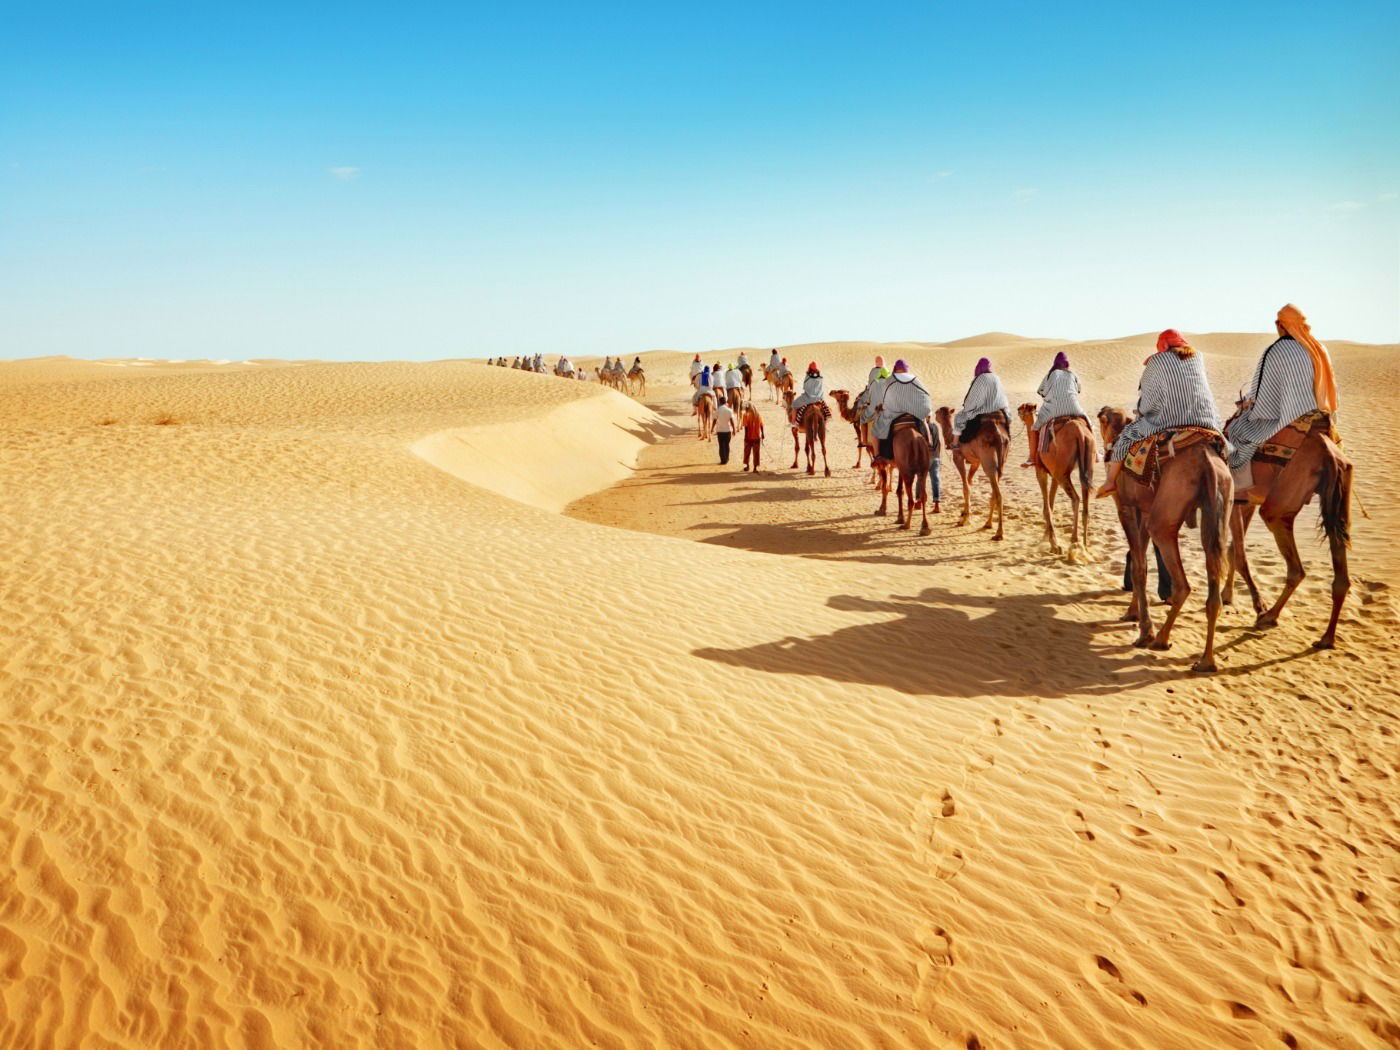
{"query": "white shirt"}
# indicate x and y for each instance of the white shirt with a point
(725, 423)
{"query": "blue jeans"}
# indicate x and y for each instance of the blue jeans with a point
(935, 481)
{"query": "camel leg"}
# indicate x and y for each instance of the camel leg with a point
(997, 507)
(1341, 584)
(1239, 528)
(795, 449)
(963, 475)
(826, 466)
(884, 492)
(899, 520)
(1167, 541)
(1135, 526)
(1047, 505)
(1074, 540)
(1216, 558)
(1281, 525)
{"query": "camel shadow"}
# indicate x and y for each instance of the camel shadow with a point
(652, 433)
(942, 643)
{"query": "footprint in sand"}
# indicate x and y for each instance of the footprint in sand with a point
(1140, 836)
(1080, 827)
(1104, 897)
(934, 963)
(930, 827)
(1101, 971)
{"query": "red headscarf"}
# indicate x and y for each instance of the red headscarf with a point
(1174, 341)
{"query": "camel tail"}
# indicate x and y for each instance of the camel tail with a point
(1214, 517)
(1334, 492)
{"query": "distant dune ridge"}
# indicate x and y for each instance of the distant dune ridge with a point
(323, 726)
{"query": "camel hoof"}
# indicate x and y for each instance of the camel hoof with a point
(1204, 665)
(1055, 548)
(1325, 643)
(1160, 647)
(828, 472)
(880, 513)
(1142, 643)
(998, 538)
(1265, 622)
(924, 530)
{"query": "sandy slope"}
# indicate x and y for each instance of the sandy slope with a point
(313, 737)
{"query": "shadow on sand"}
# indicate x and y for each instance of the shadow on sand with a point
(942, 643)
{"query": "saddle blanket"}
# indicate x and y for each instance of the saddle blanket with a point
(974, 425)
(1280, 448)
(1144, 458)
(1052, 427)
(820, 406)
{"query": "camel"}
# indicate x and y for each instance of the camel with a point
(1071, 450)
(987, 450)
(912, 456)
(814, 430)
(851, 416)
(747, 372)
(637, 381)
(705, 413)
(1318, 468)
(1194, 479)
(733, 397)
(781, 382)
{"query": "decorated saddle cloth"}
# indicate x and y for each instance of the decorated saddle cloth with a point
(1280, 448)
(1145, 457)
(816, 406)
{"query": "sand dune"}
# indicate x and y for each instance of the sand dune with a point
(323, 727)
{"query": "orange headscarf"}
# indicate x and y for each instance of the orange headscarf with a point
(1292, 322)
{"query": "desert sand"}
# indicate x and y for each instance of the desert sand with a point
(444, 705)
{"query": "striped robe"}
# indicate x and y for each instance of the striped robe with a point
(1174, 392)
(901, 397)
(813, 390)
(1060, 390)
(873, 395)
(1282, 390)
(983, 396)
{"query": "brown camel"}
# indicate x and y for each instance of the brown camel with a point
(851, 416)
(705, 412)
(986, 449)
(1069, 451)
(1194, 479)
(637, 379)
(747, 372)
(733, 397)
(814, 431)
(912, 456)
(1318, 468)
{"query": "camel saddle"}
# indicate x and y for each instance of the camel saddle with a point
(1146, 456)
(1052, 427)
(974, 425)
(820, 406)
(1280, 448)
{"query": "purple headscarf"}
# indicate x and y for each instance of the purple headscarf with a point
(1061, 361)
(901, 366)
(982, 366)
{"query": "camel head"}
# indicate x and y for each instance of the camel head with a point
(1027, 413)
(1111, 423)
(841, 397)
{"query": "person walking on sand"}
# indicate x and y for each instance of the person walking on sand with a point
(1173, 392)
(753, 435)
(725, 425)
(1293, 380)
(1060, 392)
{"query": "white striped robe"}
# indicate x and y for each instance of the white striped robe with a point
(1282, 390)
(1174, 392)
(983, 396)
(1060, 390)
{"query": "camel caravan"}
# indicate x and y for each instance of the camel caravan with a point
(1170, 463)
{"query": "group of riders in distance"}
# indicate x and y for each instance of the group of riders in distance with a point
(1169, 464)
(610, 373)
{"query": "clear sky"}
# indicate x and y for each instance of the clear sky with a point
(400, 181)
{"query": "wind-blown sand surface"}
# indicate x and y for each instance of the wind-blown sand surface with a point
(323, 727)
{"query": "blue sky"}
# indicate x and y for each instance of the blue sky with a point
(418, 182)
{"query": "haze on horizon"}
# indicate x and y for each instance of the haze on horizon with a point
(442, 182)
